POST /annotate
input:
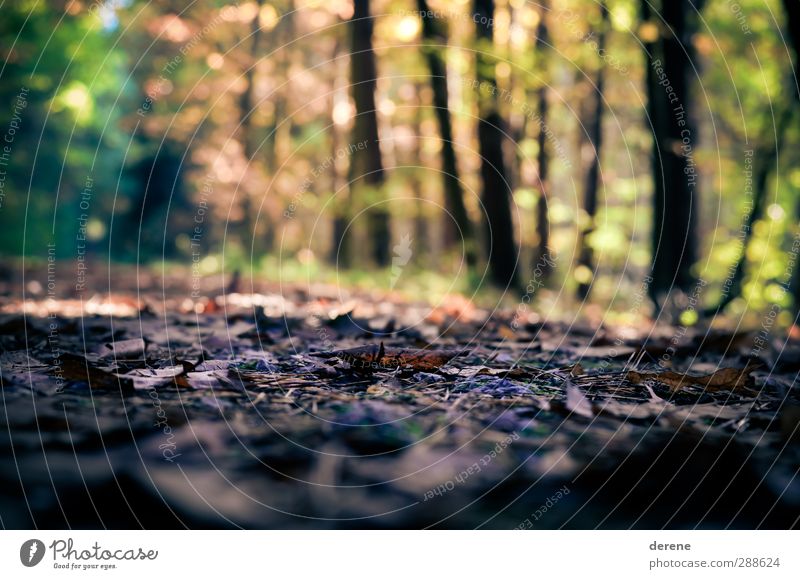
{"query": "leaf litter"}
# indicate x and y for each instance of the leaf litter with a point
(295, 409)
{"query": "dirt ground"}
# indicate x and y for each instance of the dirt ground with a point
(316, 407)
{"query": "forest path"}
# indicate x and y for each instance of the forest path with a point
(315, 409)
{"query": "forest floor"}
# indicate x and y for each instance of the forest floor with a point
(318, 407)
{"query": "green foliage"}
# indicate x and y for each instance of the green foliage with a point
(61, 88)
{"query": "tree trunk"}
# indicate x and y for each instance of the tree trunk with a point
(366, 164)
(246, 104)
(495, 193)
(340, 251)
(278, 133)
(541, 261)
(424, 249)
(655, 117)
(675, 200)
(792, 9)
(460, 229)
(246, 109)
(338, 254)
(585, 253)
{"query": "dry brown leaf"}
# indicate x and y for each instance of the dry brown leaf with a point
(732, 379)
(575, 370)
(378, 357)
(76, 368)
(507, 333)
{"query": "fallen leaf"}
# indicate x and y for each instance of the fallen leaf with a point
(577, 401)
(610, 352)
(125, 349)
(732, 379)
(77, 368)
(147, 378)
(507, 333)
(375, 357)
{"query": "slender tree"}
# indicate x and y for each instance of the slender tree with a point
(495, 192)
(595, 134)
(435, 38)
(542, 157)
(278, 135)
(792, 9)
(249, 145)
(426, 249)
(340, 251)
(670, 66)
(366, 164)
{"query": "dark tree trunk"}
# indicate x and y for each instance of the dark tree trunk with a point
(495, 193)
(246, 103)
(656, 119)
(585, 253)
(246, 110)
(541, 259)
(792, 9)
(794, 282)
(421, 231)
(460, 228)
(366, 165)
(340, 250)
(670, 65)
(280, 127)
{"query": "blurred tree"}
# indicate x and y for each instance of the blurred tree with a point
(247, 106)
(340, 251)
(366, 164)
(435, 39)
(62, 145)
(792, 11)
(278, 132)
(159, 205)
(541, 259)
(496, 193)
(595, 135)
(671, 64)
(246, 99)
